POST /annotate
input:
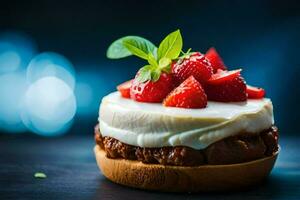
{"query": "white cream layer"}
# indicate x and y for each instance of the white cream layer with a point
(153, 125)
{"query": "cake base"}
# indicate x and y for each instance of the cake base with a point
(203, 178)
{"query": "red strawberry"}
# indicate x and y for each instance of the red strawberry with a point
(255, 92)
(124, 88)
(189, 94)
(215, 59)
(227, 90)
(192, 64)
(222, 76)
(151, 91)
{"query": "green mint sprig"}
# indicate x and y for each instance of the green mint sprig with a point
(171, 46)
(138, 45)
(159, 59)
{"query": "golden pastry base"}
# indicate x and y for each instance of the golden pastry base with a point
(203, 178)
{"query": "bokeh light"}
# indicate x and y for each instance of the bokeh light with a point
(36, 90)
(12, 89)
(49, 106)
(51, 64)
(16, 50)
(84, 97)
(91, 86)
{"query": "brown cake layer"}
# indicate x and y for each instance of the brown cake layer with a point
(235, 149)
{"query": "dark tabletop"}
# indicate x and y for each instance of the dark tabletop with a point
(72, 172)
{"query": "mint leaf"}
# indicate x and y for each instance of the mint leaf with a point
(164, 62)
(155, 74)
(171, 46)
(148, 72)
(151, 60)
(117, 49)
(138, 47)
(159, 60)
(144, 74)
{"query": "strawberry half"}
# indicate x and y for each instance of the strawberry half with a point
(233, 90)
(222, 76)
(151, 91)
(255, 92)
(189, 94)
(215, 59)
(192, 64)
(124, 88)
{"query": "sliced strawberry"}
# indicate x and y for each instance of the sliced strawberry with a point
(189, 94)
(255, 92)
(215, 59)
(192, 64)
(222, 76)
(151, 91)
(124, 88)
(227, 91)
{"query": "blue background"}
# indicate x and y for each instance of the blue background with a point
(263, 37)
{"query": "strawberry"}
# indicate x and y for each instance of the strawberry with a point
(255, 92)
(189, 94)
(215, 59)
(152, 91)
(222, 76)
(194, 64)
(231, 90)
(124, 88)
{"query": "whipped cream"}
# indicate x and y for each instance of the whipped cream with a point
(153, 125)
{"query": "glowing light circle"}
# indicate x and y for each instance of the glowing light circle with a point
(49, 106)
(51, 64)
(16, 51)
(84, 97)
(12, 90)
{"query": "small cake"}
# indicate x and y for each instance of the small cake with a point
(185, 123)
